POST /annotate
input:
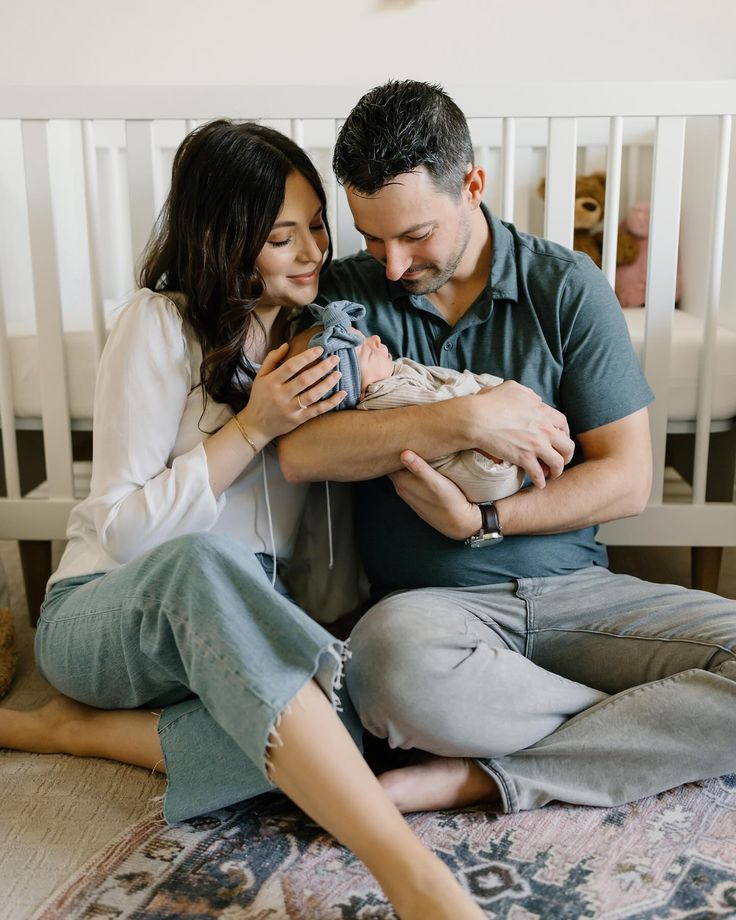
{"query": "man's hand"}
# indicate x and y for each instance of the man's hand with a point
(513, 423)
(436, 499)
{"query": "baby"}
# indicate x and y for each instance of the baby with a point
(372, 379)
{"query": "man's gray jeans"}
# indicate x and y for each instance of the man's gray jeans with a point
(590, 688)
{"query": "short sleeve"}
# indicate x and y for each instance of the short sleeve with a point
(602, 380)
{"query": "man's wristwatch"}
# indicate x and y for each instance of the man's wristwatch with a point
(490, 528)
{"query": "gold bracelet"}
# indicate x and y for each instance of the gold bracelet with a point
(245, 434)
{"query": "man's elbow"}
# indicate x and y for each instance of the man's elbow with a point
(292, 470)
(640, 488)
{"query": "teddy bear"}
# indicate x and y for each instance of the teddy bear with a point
(631, 279)
(590, 198)
(8, 655)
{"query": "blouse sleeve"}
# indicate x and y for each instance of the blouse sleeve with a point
(140, 497)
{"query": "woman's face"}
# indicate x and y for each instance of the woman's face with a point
(291, 260)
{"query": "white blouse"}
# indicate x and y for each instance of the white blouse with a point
(150, 480)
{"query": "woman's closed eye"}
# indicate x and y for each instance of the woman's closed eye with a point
(315, 228)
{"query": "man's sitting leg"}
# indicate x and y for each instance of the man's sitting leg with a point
(430, 670)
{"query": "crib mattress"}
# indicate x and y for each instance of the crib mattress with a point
(79, 363)
(684, 362)
(687, 336)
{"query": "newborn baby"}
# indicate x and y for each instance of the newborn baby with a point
(372, 379)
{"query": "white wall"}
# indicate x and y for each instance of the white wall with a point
(362, 41)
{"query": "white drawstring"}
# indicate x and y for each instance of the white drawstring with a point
(270, 519)
(331, 564)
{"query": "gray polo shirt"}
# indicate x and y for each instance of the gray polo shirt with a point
(547, 318)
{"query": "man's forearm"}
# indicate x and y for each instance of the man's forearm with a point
(351, 445)
(591, 493)
(613, 481)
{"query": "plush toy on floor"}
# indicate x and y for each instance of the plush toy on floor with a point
(631, 279)
(590, 198)
(8, 655)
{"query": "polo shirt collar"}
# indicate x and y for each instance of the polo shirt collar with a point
(502, 282)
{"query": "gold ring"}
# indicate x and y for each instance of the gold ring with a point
(299, 400)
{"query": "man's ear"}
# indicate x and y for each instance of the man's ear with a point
(475, 185)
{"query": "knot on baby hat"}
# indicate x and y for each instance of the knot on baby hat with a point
(337, 338)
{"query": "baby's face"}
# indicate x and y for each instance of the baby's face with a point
(374, 360)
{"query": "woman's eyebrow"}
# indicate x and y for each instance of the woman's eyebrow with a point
(292, 223)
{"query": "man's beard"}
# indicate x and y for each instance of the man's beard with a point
(438, 276)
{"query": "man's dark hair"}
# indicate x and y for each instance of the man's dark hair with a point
(398, 128)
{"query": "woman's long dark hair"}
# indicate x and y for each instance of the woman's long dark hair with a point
(227, 188)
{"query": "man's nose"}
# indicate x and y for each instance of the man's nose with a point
(396, 262)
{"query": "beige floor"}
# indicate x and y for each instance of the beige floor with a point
(57, 812)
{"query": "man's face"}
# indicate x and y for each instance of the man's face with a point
(420, 234)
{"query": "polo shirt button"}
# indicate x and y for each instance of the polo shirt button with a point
(448, 346)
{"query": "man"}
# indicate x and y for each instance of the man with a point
(518, 649)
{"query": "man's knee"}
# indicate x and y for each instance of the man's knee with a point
(404, 661)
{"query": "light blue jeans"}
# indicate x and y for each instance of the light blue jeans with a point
(591, 688)
(193, 626)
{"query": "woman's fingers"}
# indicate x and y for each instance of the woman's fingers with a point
(312, 376)
(315, 393)
(273, 359)
(323, 405)
(296, 364)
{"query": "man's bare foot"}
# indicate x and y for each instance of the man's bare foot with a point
(437, 783)
(50, 729)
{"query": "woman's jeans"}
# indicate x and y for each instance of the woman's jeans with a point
(193, 626)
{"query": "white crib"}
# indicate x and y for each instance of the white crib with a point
(83, 172)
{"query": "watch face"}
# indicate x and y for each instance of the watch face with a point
(488, 539)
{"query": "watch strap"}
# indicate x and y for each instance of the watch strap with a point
(490, 528)
(489, 518)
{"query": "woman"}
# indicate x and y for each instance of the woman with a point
(167, 596)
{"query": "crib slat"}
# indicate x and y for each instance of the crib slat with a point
(507, 169)
(141, 184)
(633, 163)
(117, 264)
(47, 296)
(664, 233)
(706, 367)
(297, 131)
(613, 198)
(559, 211)
(7, 420)
(92, 211)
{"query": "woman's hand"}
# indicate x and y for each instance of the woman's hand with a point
(287, 393)
(435, 498)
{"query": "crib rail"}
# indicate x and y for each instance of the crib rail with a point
(84, 172)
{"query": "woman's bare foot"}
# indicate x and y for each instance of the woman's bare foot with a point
(50, 729)
(438, 782)
(64, 726)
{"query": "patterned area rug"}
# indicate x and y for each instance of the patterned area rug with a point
(669, 856)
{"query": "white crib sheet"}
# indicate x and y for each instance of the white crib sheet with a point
(79, 361)
(687, 335)
(686, 338)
